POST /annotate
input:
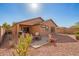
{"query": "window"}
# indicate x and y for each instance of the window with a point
(45, 27)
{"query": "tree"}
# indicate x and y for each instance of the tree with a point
(14, 23)
(6, 26)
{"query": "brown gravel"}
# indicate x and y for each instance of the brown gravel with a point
(62, 49)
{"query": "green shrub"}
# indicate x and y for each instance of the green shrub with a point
(23, 45)
(77, 35)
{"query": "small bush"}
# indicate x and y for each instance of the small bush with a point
(77, 35)
(24, 43)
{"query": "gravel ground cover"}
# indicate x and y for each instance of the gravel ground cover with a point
(64, 48)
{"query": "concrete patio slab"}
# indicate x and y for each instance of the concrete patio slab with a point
(39, 43)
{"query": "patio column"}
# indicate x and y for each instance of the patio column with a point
(15, 31)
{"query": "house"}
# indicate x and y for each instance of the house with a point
(35, 25)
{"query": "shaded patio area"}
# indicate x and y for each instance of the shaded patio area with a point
(39, 43)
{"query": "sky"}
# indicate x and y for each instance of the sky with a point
(63, 14)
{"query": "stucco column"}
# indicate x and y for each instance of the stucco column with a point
(17, 30)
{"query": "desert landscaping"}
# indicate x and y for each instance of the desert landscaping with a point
(30, 38)
(64, 47)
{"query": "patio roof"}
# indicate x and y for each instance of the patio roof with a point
(29, 20)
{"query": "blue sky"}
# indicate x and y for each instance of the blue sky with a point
(64, 15)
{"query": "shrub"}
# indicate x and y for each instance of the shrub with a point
(23, 45)
(77, 35)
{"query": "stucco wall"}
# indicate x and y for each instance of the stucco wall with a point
(42, 31)
(50, 25)
(39, 29)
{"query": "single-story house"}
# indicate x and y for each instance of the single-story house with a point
(35, 25)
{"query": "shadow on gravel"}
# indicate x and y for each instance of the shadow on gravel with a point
(64, 39)
(7, 40)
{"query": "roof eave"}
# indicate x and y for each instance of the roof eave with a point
(30, 20)
(53, 22)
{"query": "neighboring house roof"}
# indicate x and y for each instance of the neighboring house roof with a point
(33, 19)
